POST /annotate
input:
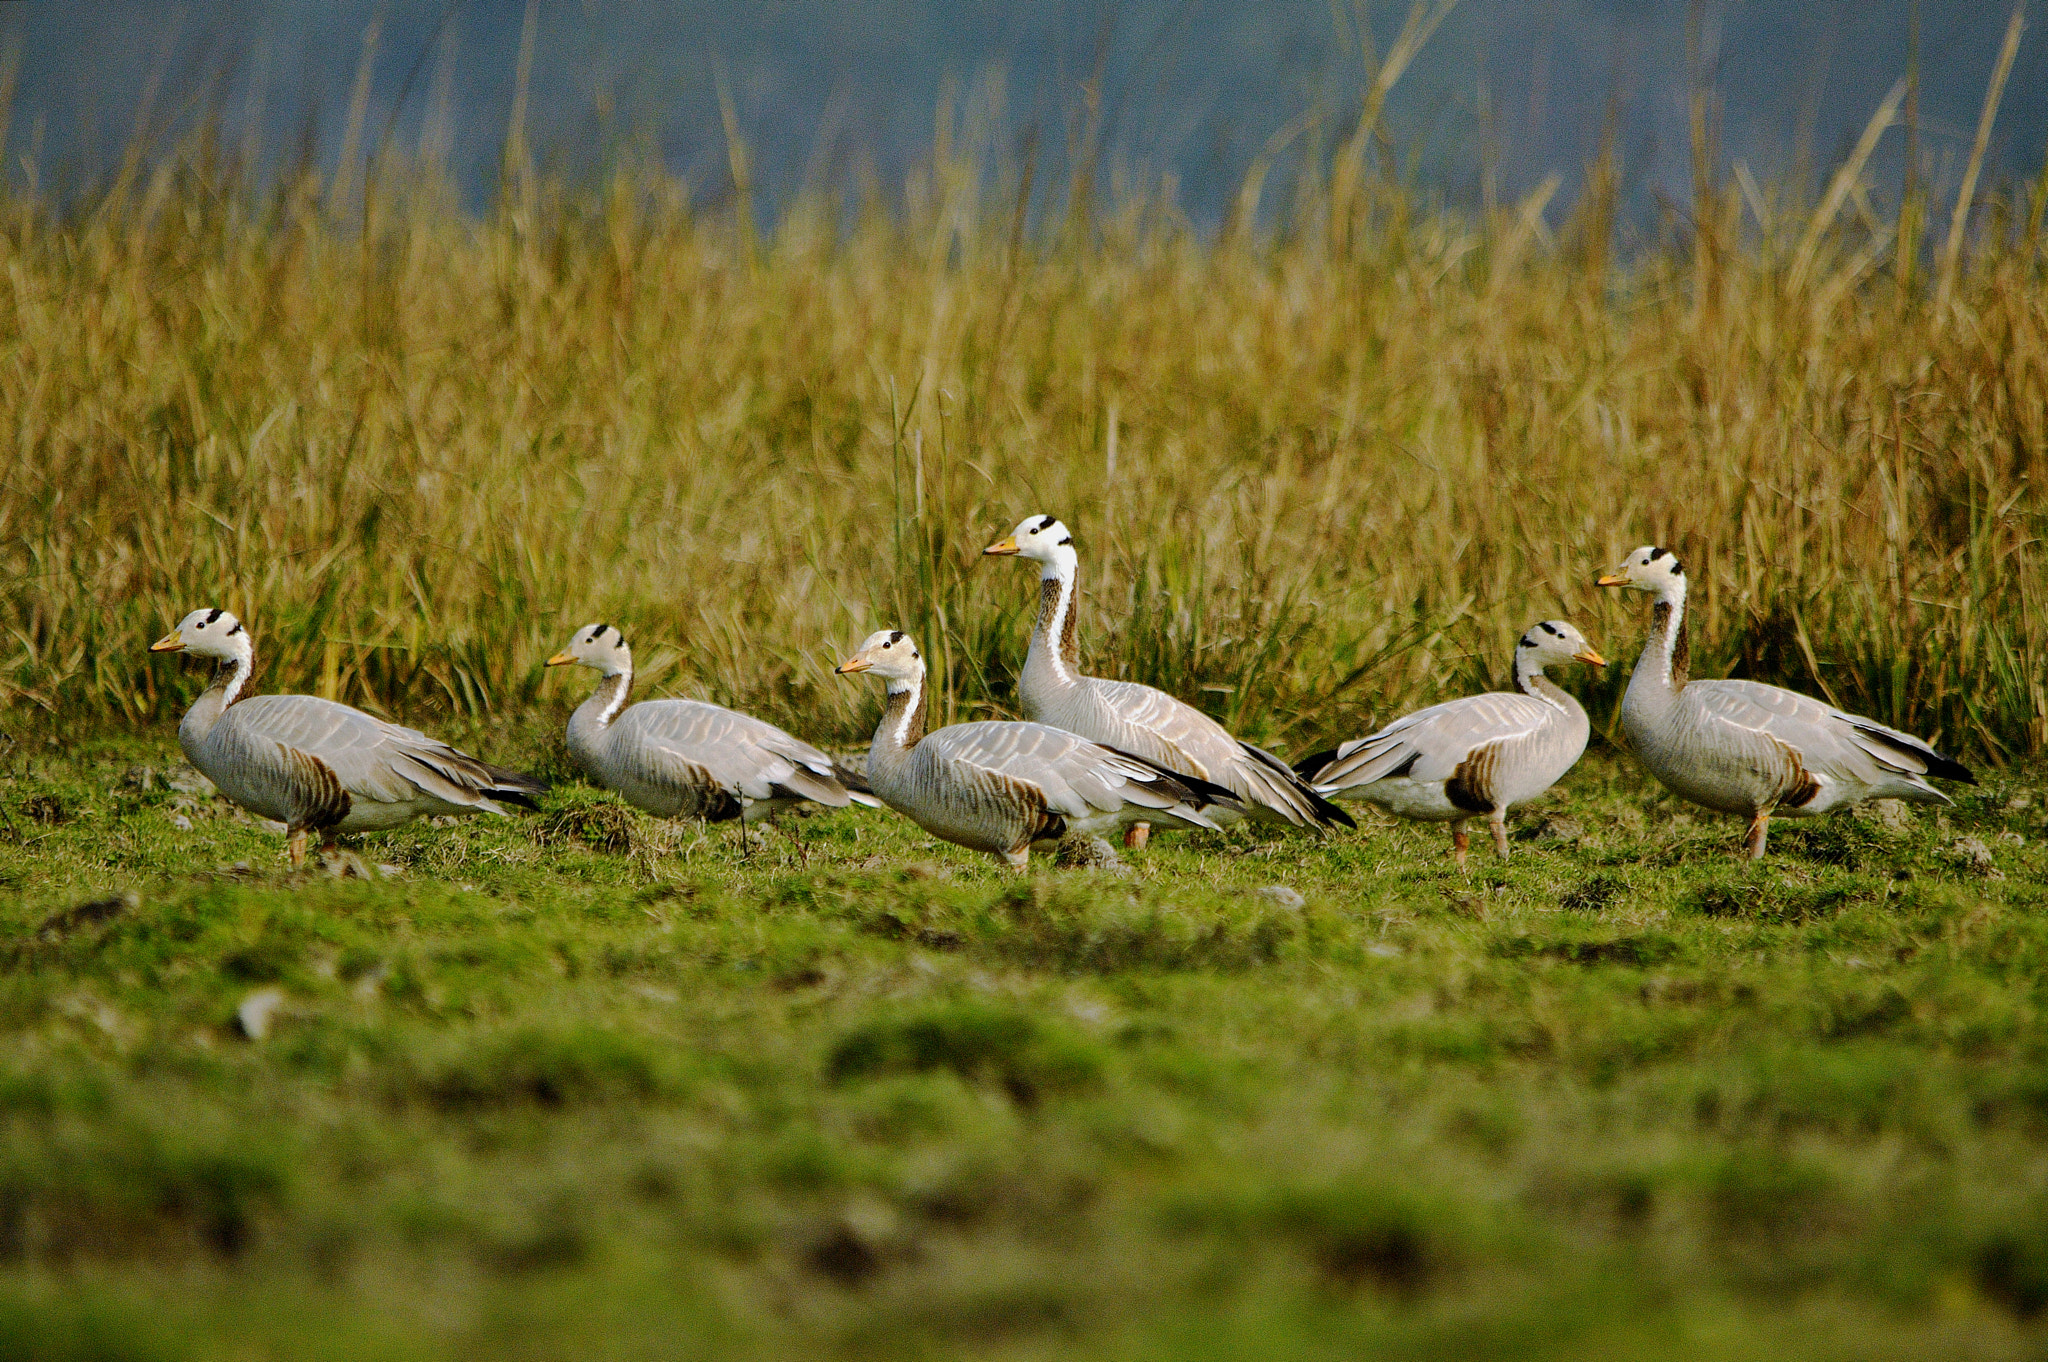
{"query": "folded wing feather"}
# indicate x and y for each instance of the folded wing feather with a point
(747, 756)
(1824, 738)
(371, 759)
(1429, 744)
(1076, 778)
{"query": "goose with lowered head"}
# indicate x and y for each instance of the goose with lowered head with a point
(1746, 748)
(1136, 718)
(1472, 758)
(688, 758)
(1004, 787)
(316, 765)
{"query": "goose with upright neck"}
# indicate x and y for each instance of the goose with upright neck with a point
(688, 758)
(1003, 787)
(316, 765)
(1135, 718)
(1747, 748)
(1477, 757)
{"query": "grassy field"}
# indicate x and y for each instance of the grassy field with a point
(589, 1085)
(586, 1085)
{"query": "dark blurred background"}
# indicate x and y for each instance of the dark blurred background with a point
(1506, 92)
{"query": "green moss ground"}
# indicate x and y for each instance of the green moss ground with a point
(584, 1085)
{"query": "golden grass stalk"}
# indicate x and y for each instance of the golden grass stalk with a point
(1966, 193)
(414, 450)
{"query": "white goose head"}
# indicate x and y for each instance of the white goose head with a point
(889, 654)
(1655, 570)
(1042, 539)
(208, 633)
(601, 646)
(1553, 641)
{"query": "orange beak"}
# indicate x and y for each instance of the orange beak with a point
(169, 643)
(1002, 548)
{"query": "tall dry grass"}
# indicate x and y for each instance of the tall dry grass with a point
(1318, 469)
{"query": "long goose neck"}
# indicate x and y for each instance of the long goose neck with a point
(1055, 656)
(902, 726)
(594, 716)
(230, 683)
(231, 679)
(1530, 680)
(1666, 662)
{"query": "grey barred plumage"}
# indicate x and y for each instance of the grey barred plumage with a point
(689, 758)
(1002, 787)
(1746, 748)
(316, 765)
(1475, 757)
(1136, 718)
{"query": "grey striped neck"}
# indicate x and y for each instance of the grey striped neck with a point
(591, 722)
(1668, 647)
(609, 698)
(230, 683)
(1055, 642)
(903, 718)
(231, 679)
(1530, 680)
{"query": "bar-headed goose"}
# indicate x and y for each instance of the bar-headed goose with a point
(687, 758)
(315, 765)
(1472, 758)
(1003, 787)
(1136, 718)
(1747, 748)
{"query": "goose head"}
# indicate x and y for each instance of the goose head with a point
(1554, 641)
(889, 654)
(1043, 540)
(601, 646)
(1655, 570)
(210, 633)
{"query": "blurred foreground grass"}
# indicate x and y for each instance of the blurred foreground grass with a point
(857, 1094)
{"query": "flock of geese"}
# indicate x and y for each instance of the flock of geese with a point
(1091, 756)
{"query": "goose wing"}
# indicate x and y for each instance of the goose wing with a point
(1430, 744)
(690, 742)
(271, 736)
(1070, 775)
(1174, 734)
(1826, 740)
(1167, 731)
